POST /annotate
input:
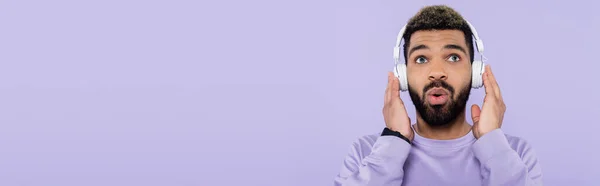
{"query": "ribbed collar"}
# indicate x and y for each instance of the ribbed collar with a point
(452, 143)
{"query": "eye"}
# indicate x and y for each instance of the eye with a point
(453, 58)
(421, 59)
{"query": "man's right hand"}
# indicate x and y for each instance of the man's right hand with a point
(394, 113)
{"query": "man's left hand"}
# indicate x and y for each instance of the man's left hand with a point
(490, 117)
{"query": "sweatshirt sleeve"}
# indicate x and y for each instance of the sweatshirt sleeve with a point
(383, 166)
(502, 165)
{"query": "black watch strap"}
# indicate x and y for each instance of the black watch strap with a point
(388, 132)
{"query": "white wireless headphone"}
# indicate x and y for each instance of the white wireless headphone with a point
(478, 66)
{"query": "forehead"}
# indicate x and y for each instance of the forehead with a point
(438, 37)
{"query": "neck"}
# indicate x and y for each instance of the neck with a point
(455, 129)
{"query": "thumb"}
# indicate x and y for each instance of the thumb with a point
(475, 112)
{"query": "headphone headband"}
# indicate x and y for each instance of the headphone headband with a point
(478, 42)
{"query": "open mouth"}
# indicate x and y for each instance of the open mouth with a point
(437, 96)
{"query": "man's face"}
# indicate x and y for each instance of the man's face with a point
(439, 74)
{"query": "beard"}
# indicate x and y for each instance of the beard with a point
(441, 115)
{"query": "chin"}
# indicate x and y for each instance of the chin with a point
(439, 115)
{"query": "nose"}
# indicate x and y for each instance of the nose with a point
(438, 73)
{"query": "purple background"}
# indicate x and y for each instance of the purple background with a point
(262, 92)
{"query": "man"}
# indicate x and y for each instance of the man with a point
(441, 148)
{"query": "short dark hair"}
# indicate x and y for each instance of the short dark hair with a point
(437, 17)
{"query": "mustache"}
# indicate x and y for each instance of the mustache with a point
(438, 84)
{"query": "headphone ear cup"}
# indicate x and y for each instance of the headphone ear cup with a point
(400, 73)
(477, 74)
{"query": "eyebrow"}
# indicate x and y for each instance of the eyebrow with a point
(450, 46)
(418, 47)
(457, 47)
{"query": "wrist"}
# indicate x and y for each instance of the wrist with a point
(484, 131)
(390, 132)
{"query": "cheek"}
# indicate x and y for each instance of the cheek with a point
(416, 81)
(459, 82)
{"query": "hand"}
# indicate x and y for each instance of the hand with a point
(394, 113)
(490, 117)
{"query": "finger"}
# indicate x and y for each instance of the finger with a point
(397, 91)
(475, 129)
(395, 88)
(386, 100)
(489, 89)
(388, 89)
(475, 113)
(395, 85)
(494, 83)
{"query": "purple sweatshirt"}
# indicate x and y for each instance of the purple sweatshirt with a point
(493, 159)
